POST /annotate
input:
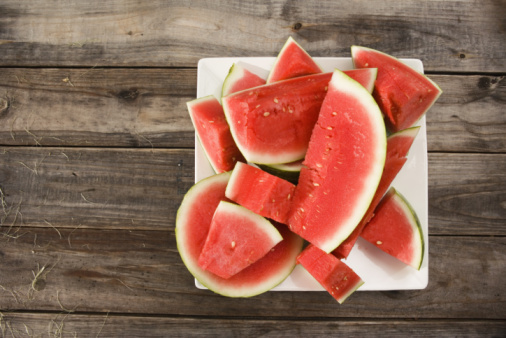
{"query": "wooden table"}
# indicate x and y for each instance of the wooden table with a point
(97, 151)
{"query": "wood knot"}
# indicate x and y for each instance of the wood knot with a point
(128, 95)
(484, 83)
(296, 26)
(4, 106)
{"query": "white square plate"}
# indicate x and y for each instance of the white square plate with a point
(379, 270)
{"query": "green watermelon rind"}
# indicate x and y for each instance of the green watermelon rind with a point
(410, 213)
(199, 274)
(350, 292)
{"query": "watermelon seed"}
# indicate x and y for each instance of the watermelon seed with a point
(366, 65)
(257, 106)
(345, 278)
(319, 165)
(288, 196)
(273, 200)
(303, 227)
(284, 109)
(379, 242)
(334, 113)
(326, 88)
(267, 114)
(316, 184)
(276, 100)
(302, 209)
(233, 244)
(211, 121)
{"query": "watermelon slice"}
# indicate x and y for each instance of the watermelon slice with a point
(403, 94)
(193, 221)
(396, 230)
(292, 61)
(398, 145)
(343, 165)
(237, 238)
(240, 78)
(260, 192)
(214, 133)
(334, 275)
(273, 123)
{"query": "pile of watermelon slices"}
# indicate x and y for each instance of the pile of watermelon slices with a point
(304, 162)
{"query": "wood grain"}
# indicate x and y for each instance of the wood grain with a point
(147, 108)
(126, 271)
(142, 189)
(110, 325)
(95, 187)
(450, 35)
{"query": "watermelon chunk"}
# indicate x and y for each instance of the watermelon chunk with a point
(260, 192)
(237, 238)
(193, 221)
(240, 78)
(343, 165)
(334, 275)
(292, 61)
(214, 133)
(403, 94)
(398, 145)
(273, 123)
(396, 230)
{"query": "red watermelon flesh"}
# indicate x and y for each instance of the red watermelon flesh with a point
(193, 221)
(292, 61)
(343, 165)
(365, 76)
(398, 145)
(403, 94)
(396, 230)
(260, 192)
(237, 238)
(273, 123)
(214, 133)
(334, 275)
(240, 78)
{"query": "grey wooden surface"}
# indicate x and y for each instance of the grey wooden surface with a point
(96, 153)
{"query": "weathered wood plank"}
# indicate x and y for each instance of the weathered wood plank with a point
(146, 108)
(142, 189)
(124, 271)
(467, 192)
(110, 325)
(96, 187)
(446, 35)
(97, 107)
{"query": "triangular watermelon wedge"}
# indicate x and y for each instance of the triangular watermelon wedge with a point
(213, 133)
(292, 61)
(403, 94)
(334, 275)
(240, 78)
(398, 145)
(396, 230)
(237, 238)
